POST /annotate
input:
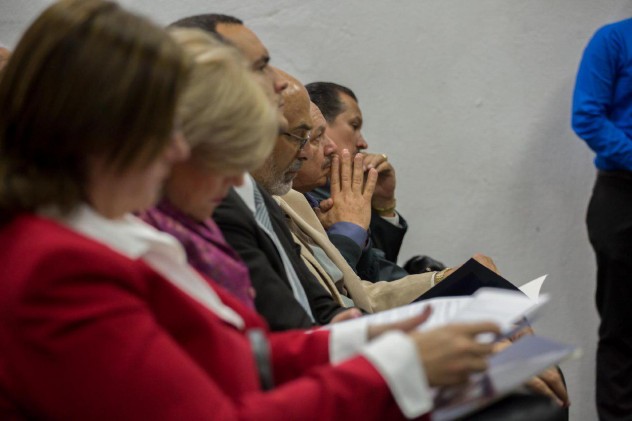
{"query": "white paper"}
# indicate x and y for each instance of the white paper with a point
(532, 289)
(510, 310)
(443, 310)
(504, 307)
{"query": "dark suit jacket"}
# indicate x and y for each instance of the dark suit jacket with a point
(386, 236)
(274, 300)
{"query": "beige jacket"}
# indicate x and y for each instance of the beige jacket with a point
(369, 296)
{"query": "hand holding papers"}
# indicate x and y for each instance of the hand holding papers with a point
(451, 354)
(510, 310)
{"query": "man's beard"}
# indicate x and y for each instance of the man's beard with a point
(283, 184)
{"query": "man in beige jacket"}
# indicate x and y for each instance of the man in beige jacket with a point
(350, 203)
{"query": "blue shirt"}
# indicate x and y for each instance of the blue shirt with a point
(602, 101)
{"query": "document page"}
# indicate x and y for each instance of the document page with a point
(532, 289)
(443, 310)
(504, 307)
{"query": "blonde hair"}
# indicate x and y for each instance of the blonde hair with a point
(225, 113)
(87, 79)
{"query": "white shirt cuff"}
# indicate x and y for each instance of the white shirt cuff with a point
(395, 356)
(347, 339)
(392, 219)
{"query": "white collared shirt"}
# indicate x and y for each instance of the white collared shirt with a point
(247, 192)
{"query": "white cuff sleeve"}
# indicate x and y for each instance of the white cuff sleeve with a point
(392, 219)
(347, 339)
(395, 356)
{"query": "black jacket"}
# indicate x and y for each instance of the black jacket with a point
(274, 300)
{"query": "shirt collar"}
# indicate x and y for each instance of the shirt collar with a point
(128, 235)
(247, 192)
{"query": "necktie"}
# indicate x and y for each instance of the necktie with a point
(263, 219)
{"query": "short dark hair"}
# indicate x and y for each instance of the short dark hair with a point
(207, 22)
(326, 96)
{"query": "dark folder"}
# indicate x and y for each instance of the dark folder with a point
(466, 280)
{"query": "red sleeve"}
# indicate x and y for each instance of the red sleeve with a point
(292, 352)
(353, 390)
(296, 351)
(308, 387)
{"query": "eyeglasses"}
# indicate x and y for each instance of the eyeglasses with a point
(300, 141)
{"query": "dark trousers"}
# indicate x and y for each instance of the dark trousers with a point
(609, 222)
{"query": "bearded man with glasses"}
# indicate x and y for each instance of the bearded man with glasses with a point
(287, 293)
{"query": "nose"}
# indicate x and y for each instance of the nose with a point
(330, 147)
(279, 83)
(361, 143)
(178, 149)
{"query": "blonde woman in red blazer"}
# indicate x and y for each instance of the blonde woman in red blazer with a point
(101, 318)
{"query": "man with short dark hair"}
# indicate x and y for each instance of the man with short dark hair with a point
(328, 254)
(340, 108)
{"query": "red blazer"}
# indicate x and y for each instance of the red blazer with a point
(87, 333)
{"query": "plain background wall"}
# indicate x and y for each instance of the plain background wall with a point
(471, 101)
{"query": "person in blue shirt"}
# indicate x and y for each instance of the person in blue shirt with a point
(602, 117)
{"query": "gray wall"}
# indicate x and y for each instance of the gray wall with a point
(470, 99)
